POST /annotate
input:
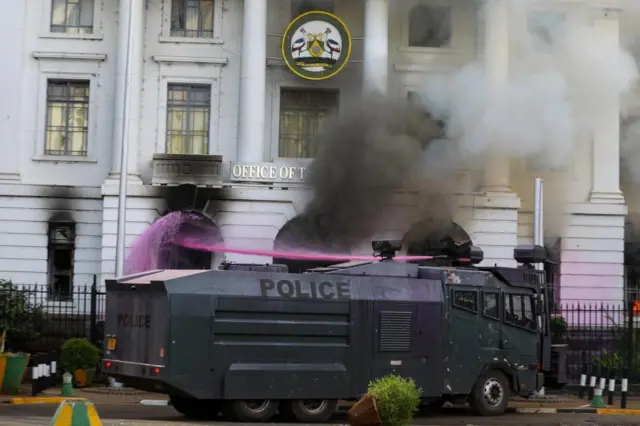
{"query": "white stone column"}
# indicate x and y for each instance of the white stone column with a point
(491, 217)
(253, 82)
(496, 60)
(606, 135)
(135, 84)
(375, 73)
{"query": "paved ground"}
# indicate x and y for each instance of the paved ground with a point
(107, 396)
(137, 415)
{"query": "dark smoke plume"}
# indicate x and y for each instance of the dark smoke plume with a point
(367, 155)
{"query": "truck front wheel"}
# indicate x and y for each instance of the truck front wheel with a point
(308, 411)
(196, 409)
(250, 410)
(491, 393)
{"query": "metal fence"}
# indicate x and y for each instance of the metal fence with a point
(36, 321)
(598, 336)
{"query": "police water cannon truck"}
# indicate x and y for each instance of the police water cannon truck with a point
(254, 340)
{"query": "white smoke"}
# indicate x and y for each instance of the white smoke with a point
(560, 70)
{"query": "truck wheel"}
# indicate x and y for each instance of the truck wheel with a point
(250, 410)
(197, 409)
(491, 393)
(308, 410)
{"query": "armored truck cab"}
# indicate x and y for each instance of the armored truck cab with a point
(252, 340)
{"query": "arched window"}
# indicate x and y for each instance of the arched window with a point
(429, 26)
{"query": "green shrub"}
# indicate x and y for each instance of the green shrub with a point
(398, 399)
(20, 318)
(558, 326)
(79, 354)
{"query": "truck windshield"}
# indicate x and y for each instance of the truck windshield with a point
(519, 310)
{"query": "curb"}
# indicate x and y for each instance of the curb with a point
(577, 410)
(155, 402)
(43, 400)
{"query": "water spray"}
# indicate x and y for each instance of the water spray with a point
(292, 255)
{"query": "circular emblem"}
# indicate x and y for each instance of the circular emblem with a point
(316, 45)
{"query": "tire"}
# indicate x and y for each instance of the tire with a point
(308, 410)
(491, 393)
(250, 411)
(197, 409)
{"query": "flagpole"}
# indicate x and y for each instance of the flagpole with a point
(124, 153)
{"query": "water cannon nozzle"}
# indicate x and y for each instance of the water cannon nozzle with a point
(386, 249)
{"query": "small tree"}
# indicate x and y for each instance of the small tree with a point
(397, 398)
(20, 318)
(79, 354)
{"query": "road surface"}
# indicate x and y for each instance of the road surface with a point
(139, 415)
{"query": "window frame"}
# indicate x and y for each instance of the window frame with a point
(294, 13)
(181, 70)
(307, 90)
(46, 20)
(206, 88)
(495, 293)
(87, 104)
(51, 247)
(459, 14)
(533, 311)
(474, 291)
(463, 177)
(80, 68)
(165, 32)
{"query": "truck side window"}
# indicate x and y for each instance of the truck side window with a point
(465, 299)
(490, 307)
(518, 311)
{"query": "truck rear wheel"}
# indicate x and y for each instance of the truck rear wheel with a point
(250, 410)
(196, 409)
(308, 410)
(491, 393)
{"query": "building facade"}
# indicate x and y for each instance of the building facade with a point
(212, 104)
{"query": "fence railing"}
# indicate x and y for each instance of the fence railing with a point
(36, 321)
(599, 336)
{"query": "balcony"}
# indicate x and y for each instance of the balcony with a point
(187, 169)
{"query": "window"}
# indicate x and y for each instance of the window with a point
(188, 116)
(298, 7)
(414, 100)
(62, 241)
(67, 125)
(490, 307)
(302, 113)
(545, 27)
(72, 16)
(429, 26)
(465, 299)
(519, 311)
(192, 18)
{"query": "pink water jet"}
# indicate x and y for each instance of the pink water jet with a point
(290, 255)
(168, 242)
(156, 247)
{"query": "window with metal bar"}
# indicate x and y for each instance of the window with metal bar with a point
(192, 18)
(430, 26)
(72, 16)
(67, 125)
(62, 242)
(302, 113)
(188, 116)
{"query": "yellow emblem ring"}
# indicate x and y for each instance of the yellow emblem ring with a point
(293, 67)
